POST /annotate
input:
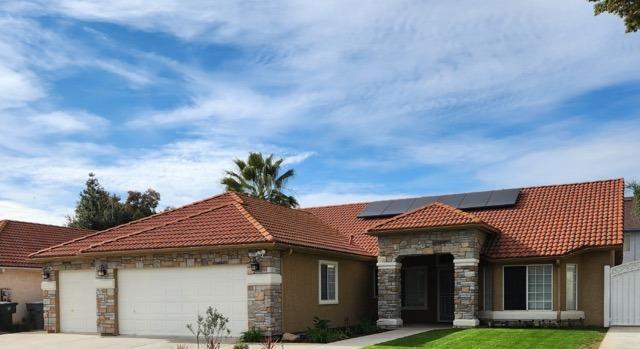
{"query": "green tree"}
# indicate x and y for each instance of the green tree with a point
(98, 209)
(260, 177)
(629, 10)
(635, 189)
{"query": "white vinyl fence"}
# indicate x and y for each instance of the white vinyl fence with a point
(622, 295)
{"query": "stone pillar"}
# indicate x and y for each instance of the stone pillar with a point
(264, 293)
(466, 292)
(106, 302)
(50, 303)
(389, 295)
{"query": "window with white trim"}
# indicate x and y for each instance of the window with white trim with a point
(539, 287)
(528, 287)
(572, 287)
(328, 275)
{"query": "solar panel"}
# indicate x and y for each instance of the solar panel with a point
(374, 209)
(398, 206)
(452, 200)
(475, 200)
(505, 197)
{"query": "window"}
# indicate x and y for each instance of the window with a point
(528, 287)
(539, 287)
(627, 242)
(572, 287)
(415, 287)
(487, 283)
(328, 282)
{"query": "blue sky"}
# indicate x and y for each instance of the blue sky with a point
(365, 99)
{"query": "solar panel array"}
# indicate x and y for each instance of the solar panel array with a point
(476, 200)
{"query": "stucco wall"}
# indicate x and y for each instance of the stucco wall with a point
(301, 286)
(590, 283)
(25, 288)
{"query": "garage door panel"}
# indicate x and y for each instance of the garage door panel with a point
(162, 301)
(78, 304)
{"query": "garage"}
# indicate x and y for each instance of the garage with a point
(77, 301)
(160, 302)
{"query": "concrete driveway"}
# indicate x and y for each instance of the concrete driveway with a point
(42, 340)
(621, 338)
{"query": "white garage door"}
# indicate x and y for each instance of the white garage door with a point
(162, 301)
(77, 301)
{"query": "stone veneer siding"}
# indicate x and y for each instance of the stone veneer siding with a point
(464, 245)
(264, 301)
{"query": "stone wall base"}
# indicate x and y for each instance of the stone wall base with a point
(465, 323)
(389, 324)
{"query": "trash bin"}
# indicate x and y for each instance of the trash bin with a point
(35, 317)
(7, 309)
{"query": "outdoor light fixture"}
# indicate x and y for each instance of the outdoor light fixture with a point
(255, 265)
(102, 270)
(46, 273)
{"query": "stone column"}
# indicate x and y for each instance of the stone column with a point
(264, 293)
(389, 295)
(50, 303)
(466, 292)
(106, 302)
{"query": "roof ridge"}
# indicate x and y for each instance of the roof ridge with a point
(6, 221)
(469, 215)
(155, 227)
(251, 219)
(125, 224)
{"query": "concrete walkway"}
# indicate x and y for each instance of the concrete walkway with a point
(621, 338)
(42, 340)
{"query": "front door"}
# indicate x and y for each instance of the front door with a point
(445, 295)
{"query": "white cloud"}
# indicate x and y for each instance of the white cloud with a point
(15, 211)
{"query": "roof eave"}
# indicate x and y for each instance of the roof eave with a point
(482, 227)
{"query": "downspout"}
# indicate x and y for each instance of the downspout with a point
(558, 290)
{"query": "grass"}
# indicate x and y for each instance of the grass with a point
(498, 338)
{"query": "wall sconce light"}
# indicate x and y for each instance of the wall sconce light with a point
(102, 270)
(255, 265)
(46, 273)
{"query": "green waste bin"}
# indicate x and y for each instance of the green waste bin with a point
(35, 317)
(7, 309)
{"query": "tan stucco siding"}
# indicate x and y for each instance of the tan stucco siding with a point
(300, 273)
(590, 283)
(25, 288)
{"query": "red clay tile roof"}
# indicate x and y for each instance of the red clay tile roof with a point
(19, 239)
(226, 219)
(546, 221)
(631, 219)
(434, 215)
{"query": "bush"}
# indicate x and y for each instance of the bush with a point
(365, 326)
(212, 328)
(321, 333)
(241, 345)
(252, 335)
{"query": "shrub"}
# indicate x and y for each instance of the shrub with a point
(241, 345)
(321, 333)
(365, 326)
(212, 329)
(269, 342)
(252, 335)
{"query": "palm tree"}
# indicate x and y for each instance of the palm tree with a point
(260, 177)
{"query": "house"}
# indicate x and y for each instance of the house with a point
(19, 276)
(631, 232)
(534, 254)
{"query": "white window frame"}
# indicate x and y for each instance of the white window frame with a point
(426, 288)
(327, 301)
(575, 265)
(527, 285)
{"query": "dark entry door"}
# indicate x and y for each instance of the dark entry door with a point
(445, 295)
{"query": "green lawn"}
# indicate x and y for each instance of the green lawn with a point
(498, 338)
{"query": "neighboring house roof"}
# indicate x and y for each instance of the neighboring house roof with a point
(434, 215)
(546, 220)
(19, 239)
(631, 218)
(226, 219)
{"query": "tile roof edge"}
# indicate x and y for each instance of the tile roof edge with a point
(122, 225)
(253, 221)
(3, 224)
(155, 227)
(7, 221)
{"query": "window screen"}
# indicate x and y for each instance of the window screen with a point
(328, 275)
(539, 287)
(572, 287)
(515, 288)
